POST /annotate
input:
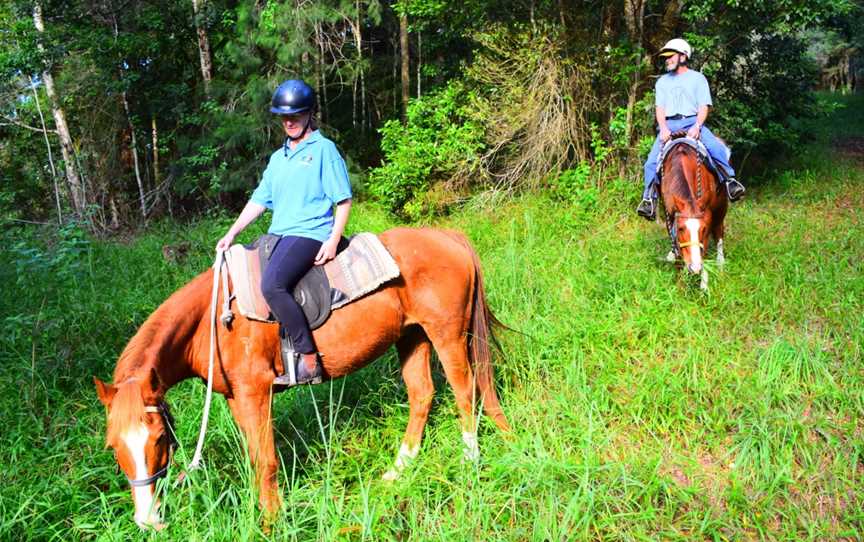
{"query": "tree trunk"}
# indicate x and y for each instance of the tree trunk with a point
(157, 175)
(73, 179)
(404, 52)
(50, 154)
(419, 59)
(634, 18)
(203, 46)
(132, 139)
(319, 35)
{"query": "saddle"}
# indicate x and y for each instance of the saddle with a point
(361, 265)
(679, 139)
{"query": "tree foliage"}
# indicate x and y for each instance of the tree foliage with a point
(505, 95)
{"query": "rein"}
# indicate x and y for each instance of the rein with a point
(162, 407)
(217, 267)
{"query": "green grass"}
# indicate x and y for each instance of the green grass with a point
(643, 409)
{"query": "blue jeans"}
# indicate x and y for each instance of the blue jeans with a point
(718, 151)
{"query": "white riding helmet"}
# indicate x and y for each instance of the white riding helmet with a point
(676, 45)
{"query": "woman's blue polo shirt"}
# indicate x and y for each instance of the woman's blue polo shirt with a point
(301, 186)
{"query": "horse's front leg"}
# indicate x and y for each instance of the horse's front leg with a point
(252, 412)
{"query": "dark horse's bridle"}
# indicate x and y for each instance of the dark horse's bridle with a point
(160, 408)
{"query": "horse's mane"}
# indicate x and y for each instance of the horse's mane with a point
(676, 178)
(127, 409)
(172, 320)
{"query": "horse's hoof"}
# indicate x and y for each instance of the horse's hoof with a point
(670, 257)
(390, 476)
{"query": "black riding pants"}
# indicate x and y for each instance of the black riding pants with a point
(291, 259)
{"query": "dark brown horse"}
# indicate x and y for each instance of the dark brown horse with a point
(695, 205)
(438, 302)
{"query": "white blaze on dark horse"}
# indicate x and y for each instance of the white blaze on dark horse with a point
(439, 302)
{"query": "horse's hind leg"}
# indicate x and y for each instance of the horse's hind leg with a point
(452, 348)
(414, 352)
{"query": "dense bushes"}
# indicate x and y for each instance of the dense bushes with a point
(439, 142)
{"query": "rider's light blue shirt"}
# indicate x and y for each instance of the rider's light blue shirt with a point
(302, 187)
(682, 94)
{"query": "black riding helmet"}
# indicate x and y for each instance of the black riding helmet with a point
(292, 96)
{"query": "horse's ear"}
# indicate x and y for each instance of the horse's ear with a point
(104, 391)
(155, 381)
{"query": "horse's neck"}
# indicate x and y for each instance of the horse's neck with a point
(171, 339)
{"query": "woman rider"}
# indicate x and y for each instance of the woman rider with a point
(301, 184)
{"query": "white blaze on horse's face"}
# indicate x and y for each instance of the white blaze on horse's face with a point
(146, 508)
(692, 225)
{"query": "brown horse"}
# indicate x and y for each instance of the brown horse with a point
(438, 301)
(695, 205)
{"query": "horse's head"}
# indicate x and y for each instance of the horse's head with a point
(691, 232)
(140, 432)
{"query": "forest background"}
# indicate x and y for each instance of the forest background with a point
(115, 113)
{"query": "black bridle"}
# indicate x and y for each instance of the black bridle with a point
(160, 408)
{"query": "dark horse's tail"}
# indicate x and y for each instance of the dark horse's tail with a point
(480, 334)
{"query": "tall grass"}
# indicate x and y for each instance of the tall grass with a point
(642, 408)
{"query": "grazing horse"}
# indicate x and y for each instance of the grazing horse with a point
(695, 205)
(438, 302)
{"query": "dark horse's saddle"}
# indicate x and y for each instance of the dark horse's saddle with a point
(362, 264)
(680, 138)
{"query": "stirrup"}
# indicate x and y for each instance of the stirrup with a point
(738, 192)
(295, 371)
(650, 213)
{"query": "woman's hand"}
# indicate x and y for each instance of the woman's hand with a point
(327, 251)
(225, 243)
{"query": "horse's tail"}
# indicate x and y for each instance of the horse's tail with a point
(480, 334)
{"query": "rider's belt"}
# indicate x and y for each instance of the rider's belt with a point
(679, 117)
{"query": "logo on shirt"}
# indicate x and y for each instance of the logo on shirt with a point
(306, 160)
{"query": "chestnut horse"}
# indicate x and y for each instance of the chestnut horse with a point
(438, 301)
(695, 205)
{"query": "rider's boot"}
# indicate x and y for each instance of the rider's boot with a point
(296, 368)
(734, 189)
(647, 209)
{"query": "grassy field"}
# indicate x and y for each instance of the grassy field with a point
(643, 409)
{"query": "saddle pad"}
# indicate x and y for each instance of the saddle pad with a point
(356, 271)
(699, 147)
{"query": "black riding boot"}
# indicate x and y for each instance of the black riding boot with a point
(295, 370)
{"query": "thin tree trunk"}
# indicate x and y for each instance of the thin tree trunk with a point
(419, 59)
(72, 177)
(50, 154)
(134, 147)
(634, 18)
(322, 76)
(203, 45)
(133, 141)
(157, 175)
(364, 123)
(358, 44)
(403, 51)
